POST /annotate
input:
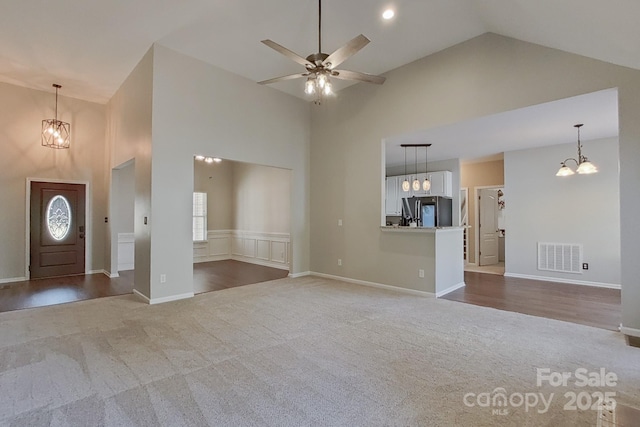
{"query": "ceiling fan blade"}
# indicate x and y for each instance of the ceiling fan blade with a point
(354, 75)
(343, 53)
(283, 78)
(286, 52)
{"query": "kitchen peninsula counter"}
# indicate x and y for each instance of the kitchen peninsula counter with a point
(443, 262)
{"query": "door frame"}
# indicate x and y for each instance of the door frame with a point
(476, 223)
(87, 221)
(467, 226)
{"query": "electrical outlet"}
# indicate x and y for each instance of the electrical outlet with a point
(339, 223)
(339, 261)
(421, 274)
(585, 265)
(163, 278)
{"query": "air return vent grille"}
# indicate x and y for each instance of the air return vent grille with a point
(563, 257)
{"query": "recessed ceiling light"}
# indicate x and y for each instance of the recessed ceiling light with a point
(388, 14)
(208, 159)
(217, 159)
(199, 157)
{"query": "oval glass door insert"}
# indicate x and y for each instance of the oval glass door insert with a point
(58, 217)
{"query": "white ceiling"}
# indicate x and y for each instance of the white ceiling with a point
(91, 46)
(537, 126)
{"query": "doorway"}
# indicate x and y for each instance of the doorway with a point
(490, 231)
(57, 229)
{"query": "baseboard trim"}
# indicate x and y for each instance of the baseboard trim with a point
(110, 275)
(13, 279)
(568, 281)
(450, 289)
(303, 274)
(373, 284)
(170, 298)
(141, 296)
(261, 262)
(632, 332)
(210, 258)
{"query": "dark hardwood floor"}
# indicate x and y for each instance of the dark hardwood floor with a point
(586, 305)
(573, 303)
(218, 275)
(207, 276)
(60, 290)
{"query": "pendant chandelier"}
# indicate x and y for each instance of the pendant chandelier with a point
(584, 166)
(56, 133)
(426, 184)
(415, 182)
(405, 184)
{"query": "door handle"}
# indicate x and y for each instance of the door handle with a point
(81, 235)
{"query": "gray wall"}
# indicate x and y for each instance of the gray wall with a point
(129, 139)
(124, 198)
(245, 196)
(21, 113)
(582, 209)
(261, 198)
(198, 108)
(216, 179)
(485, 75)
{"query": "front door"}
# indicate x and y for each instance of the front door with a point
(488, 227)
(57, 230)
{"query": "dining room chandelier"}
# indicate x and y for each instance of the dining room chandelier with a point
(583, 165)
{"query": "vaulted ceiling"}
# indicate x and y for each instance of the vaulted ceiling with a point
(91, 46)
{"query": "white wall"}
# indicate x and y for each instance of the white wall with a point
(583, 209)
(129, 138)
(21, 113)
(483, 76)
(198, 108)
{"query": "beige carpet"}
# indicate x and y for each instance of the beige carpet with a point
(293, 352)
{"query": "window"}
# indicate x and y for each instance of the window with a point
(199, 217)
(58, 217)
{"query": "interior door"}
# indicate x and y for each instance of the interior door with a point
(57, 229)
(488, 217)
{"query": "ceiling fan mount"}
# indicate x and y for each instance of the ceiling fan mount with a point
(320, 66)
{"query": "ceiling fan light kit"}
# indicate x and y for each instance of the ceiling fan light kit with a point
(320, 67)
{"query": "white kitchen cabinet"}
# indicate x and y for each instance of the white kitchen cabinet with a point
(392, 201)
(441, 184)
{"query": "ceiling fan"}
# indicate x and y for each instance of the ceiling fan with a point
(320, 66)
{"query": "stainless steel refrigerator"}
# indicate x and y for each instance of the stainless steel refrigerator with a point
(427, 211)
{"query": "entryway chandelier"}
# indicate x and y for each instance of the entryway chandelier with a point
(584, 166)
(56, 133)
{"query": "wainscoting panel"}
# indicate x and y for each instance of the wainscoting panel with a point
(264, 251)
(237, 246)
(268, 249)
(250, 248)
(126, 251)
(219, 244)
(279, 252)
